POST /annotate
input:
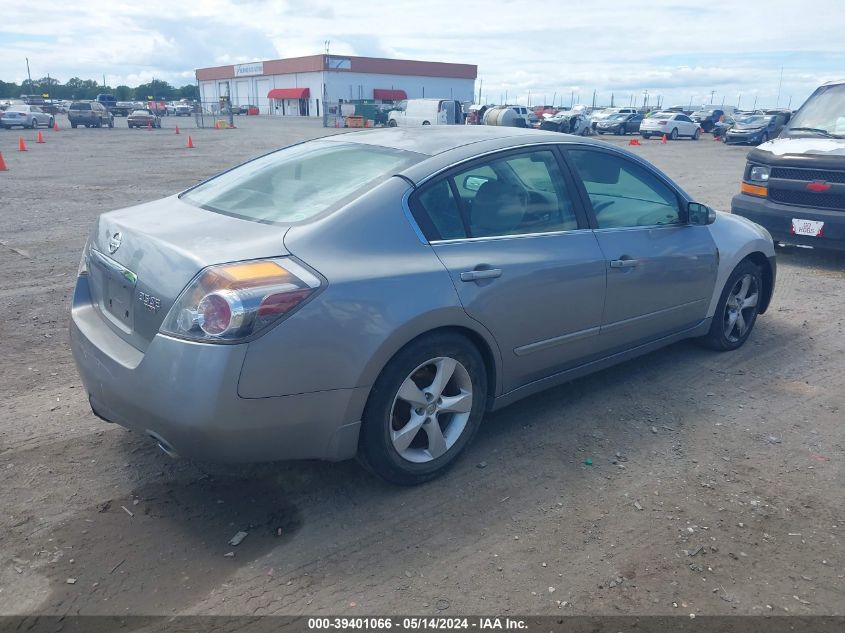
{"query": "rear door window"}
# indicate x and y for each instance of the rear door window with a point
(515, 194)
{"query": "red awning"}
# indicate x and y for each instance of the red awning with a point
(389, 95)
(289, 93)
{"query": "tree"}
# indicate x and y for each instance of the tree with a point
(9, 90)
(189, 91)
(123, 93)
(157, 89)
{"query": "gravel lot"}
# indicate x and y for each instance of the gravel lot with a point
(715, 484)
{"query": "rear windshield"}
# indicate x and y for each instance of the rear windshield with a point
(662, 115)
(297, 183)
(80, 106)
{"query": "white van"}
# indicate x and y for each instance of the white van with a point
(413, 112)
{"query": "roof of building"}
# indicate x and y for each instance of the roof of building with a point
(369, 65)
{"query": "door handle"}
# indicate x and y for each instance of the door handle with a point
(484, 273)
(623, 263)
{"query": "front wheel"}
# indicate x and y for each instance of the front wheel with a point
(34, 123)
(674, 134)
(697, 134)
(621, 130)
(645, 135)
(391, 123)
(737, 309)
(424, 409)
(426, 123)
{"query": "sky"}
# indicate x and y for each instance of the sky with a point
(679, 50)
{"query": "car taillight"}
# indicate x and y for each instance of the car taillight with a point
(231, 302)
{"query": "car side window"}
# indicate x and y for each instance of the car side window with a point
(624, 194)
(512, 195)
(516, 195)
(437, 212)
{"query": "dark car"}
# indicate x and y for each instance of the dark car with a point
(754, 129)
(89, 114)
(143, 118)
(707, 118)
(620, 124)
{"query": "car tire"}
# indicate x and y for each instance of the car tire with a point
(51, 122)
(432, 370)
(73, 125)
(33, 124)
(426, 123)
(392, 123)
(697, 134)
(732, 323)
(111, 122)
(673, 135)
(621, 130)
(645, 135)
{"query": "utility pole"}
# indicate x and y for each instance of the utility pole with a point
(571, 99)
(780, 83)
(789, 105)
(326, 66)
(712, 94)
(754, 107)
(28, 75)
(480, 85)
(738, 100)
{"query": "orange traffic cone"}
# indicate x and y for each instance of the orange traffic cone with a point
(21, 144)
(664, 139)
(40, 138)
(55, 126)
(177, 129)
(190, 143)
(634, 141)
(3, 163)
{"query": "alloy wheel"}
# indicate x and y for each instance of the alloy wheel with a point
(431, 410)
(740, 307)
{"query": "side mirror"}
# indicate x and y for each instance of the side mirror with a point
(473, 183)
(700, 214)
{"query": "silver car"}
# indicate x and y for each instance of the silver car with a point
(26, 116)
(376, 293)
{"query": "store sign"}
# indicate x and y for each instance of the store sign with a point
(339, 63)
(255, 68)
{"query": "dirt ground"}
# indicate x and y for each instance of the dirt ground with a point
(683, 482)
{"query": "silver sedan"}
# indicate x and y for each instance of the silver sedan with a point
(376, 293)
(25, 116)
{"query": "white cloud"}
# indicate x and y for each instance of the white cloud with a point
(677, 49)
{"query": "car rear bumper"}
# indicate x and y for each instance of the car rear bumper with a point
(777, 219)
(184, 395)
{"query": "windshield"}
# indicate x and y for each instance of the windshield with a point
(299, 182)
(616, 117)
(823, 112)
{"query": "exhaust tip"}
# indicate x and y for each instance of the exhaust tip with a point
(164, 445)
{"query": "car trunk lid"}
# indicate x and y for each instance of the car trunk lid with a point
(141, 258)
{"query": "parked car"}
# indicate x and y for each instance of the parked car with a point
(567, 122)
(754, 129)
(123, 108)
(406, 328)
(708, 117)
(606, 113)
(89, 114)
(620, 124)
(672, 124)
(794, 185)
(26, 116)
(107, 101)
(143, 118)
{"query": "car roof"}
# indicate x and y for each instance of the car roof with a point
(433, 140)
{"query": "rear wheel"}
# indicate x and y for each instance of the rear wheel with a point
(424, 409)
(391, 123)
(737, 309)
(645, 135)
(426, 123)
(621, 130)
(34, 123)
